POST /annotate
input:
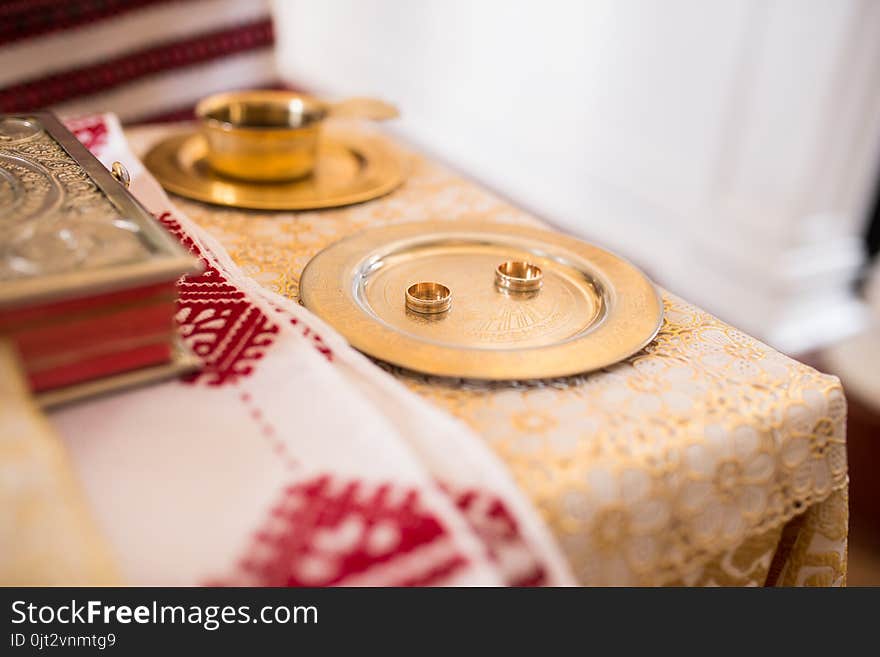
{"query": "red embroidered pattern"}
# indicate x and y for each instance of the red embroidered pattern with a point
(267, 430)
(217, 320)
(93, 78)
(317, 341)
(24, 19)
(499, 532)
(326, 532)
(323, 532)
(90, 130)
(220, 324)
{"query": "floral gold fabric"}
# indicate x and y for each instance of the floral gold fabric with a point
(682, 465)
(47, 534)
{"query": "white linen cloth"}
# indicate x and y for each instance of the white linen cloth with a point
(291, 459)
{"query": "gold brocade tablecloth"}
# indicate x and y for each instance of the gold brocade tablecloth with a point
(707, 458)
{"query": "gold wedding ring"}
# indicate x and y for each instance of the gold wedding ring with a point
(428, 298)
(518, 276)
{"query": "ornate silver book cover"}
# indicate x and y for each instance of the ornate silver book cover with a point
(67, 227)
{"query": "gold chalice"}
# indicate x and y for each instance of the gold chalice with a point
(272, 136)
(266, 136)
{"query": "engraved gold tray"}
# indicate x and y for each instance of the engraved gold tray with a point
(352, 166)
(594, 308)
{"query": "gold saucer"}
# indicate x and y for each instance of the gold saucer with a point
(352, 167)
(592, 308)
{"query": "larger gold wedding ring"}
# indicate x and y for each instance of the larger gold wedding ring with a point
(518, 276)
(428, 298)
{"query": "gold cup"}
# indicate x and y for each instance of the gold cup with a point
(428, 298)
(268, 136)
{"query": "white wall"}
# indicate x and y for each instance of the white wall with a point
(725, 146)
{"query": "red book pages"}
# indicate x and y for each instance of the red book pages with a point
(100, 366)
(13, 317)
(66, 342)
(83, 333)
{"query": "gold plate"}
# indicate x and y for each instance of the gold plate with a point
(593, 308)
(352, 167)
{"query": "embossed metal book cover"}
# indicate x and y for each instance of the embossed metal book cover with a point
(87, 276)
(68, 227)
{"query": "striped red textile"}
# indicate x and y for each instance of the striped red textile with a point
(23, 19)
(61, 86)
(186, 112)
(137, 58)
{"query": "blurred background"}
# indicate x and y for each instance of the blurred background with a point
(731, 148)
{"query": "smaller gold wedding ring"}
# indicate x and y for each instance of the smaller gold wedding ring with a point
(428, 298)
(518, 276)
